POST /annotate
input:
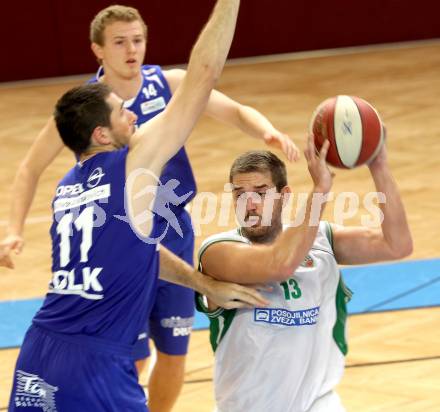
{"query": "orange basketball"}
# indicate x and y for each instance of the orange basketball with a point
(353, 127)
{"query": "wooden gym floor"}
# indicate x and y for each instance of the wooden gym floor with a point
(394, 358)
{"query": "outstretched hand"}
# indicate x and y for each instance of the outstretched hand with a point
(232, 296)
(284, 143)
(318, 169)
(11, 243)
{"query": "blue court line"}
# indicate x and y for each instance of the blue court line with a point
(15, 318)
(393, 286)
(377, 288)
(413, 292)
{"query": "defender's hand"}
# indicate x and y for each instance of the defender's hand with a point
(284, 143)
(11, 243)
(232, 296)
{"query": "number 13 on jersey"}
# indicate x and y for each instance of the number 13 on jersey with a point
(291, 289)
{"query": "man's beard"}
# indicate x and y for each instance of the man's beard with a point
(261, 234)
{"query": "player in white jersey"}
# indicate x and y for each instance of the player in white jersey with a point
(290, 356)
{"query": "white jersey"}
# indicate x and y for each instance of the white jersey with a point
(285, 357)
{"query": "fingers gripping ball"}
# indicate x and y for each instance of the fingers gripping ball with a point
(352, 126)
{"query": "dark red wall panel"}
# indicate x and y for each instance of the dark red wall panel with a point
(29, 40)
(50, 37)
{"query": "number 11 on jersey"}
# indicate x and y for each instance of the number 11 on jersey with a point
(84, 223)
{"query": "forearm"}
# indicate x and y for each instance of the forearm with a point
(253, 123)
(188, 102)
(43, 151)
(395, 227)
(175, 270)
(212, 46)
(23, 192)
(294, 243)
(291, 247)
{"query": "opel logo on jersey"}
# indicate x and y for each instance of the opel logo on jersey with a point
(95, 177)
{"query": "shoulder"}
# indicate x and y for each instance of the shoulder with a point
(229, 236)
(153, 74)
(325, 228)
(115, 155)
(95, 78)
(148, 69)
(69, 177)
(107, 161)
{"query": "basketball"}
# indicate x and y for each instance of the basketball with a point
(353, 127)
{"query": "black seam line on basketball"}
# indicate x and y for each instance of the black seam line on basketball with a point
(403, 294)
(362, 127)
(334, 133)
(392, 362)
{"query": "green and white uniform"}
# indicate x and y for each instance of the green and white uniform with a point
(290, 356)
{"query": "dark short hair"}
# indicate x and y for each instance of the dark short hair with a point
(79, 111)
(261, 161)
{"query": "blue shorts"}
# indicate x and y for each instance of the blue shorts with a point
(71, 373)
(172, 315)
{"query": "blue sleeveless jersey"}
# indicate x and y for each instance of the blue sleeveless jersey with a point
(149, 102)
(104, 277)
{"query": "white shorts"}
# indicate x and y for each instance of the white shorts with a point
(330, 402)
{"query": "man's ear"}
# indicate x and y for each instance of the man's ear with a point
(101, 136)
(97, 51)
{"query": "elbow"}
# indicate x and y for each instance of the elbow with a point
(281, 275)
(283, 267)
(212, 76)
(404, 249)
(209, 74)
(407, 248)
(27, 172)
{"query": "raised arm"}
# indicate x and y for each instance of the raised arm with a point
(245, 118)
(174, 124)
(247, 264)
(42, 152)
(156, 141)
(357, 245)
